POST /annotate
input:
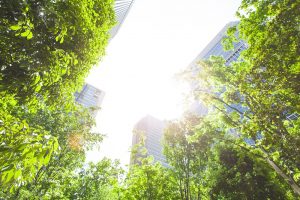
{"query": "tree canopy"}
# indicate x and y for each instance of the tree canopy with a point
(207, 163)
(246, 147)
(256, 95)
(48, 47)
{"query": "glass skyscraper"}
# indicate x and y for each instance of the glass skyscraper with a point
(151, 129)
(122, 8)
(215, 48)
(90, 97)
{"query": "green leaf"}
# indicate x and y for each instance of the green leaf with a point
(297, 176)
(55, 144)
(17, 174)
(61, 40)
(22, 146)
(37, 78)
(275, 155)
(25, 34)
(47, 159)
(12, 189)
(10, 174)
(15, 27)
(29, 36)
(38, 88)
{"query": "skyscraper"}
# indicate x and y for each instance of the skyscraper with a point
(152, 130)
(122, 8)
(215, 48)
(90, 97)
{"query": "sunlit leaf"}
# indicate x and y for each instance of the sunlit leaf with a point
(15, 27)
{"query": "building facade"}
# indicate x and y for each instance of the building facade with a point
(151, 130)
(90, 97)
(122, 8)
(215, 48)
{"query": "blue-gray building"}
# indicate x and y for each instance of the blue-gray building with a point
(122, 8)
(215, 48)
(90, 97)
(151, 129)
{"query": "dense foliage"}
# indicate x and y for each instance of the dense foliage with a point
(25, 147)
(149, 180)
(186, 158)
(235, 174)
(46, 50)
(61, 181)
(210, 164)
(246, 147)
(256, 96)
(44, 139)
(48, 47)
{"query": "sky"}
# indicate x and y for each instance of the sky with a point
(158, 39)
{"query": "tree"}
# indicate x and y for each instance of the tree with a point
(93, 181)
(236, 174)
(209, 163)
(147, 180)
(98, 181)
(31, 154)
(48, 47)
(25, 147)
(255, 95)
(187, 159)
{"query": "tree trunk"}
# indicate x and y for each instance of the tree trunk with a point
(288, 179)
(181, 192)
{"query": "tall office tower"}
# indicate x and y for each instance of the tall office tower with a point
(151, 129)
(122, 8)
(215, 48)
(90, 97)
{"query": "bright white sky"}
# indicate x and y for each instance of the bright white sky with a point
(158, 39)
